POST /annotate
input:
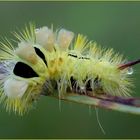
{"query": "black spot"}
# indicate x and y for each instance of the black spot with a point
(23, 70)
(74, 85)
(75, 56)
(72, 55)
(88, 85)
(83, 58)
(96, 84)
(73, 82)
(96, 80)
(41, 55)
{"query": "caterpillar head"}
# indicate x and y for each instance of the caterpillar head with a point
(24, 69)
(24, 77)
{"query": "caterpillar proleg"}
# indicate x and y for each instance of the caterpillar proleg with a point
(66, 66)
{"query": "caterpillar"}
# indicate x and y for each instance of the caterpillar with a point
(60, 64)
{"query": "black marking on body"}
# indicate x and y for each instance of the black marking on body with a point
(23, 70)
(88, 85)
(75, 88)
(84, 58)
(72, 55)
(97, 85)
(40, 54)
(73, 83)
(75, 56)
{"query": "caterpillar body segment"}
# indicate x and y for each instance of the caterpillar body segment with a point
(59, 63)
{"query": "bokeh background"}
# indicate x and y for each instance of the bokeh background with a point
(111, 24)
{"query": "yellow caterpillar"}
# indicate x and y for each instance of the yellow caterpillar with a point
(62, 65)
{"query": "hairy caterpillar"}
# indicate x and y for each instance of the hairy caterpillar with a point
(57, 64)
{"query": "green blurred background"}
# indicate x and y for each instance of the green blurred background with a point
(111, 24)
